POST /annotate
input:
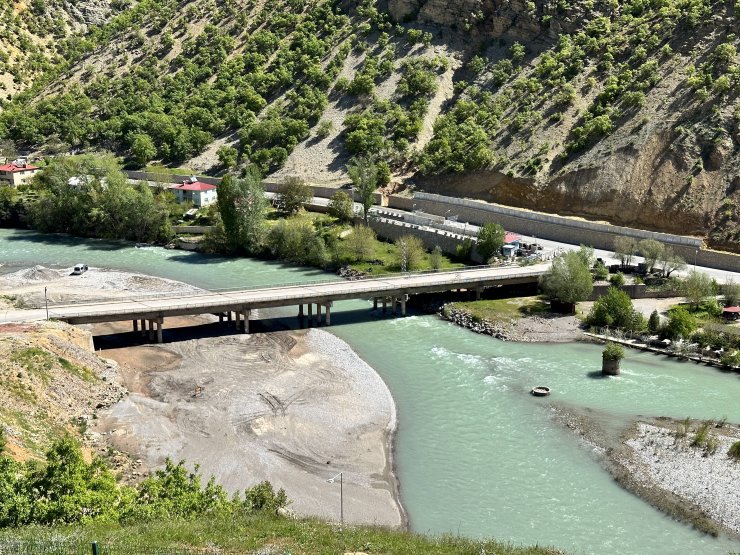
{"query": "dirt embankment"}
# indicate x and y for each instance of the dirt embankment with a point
(51, 383)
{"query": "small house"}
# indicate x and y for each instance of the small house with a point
(512, 242)
(192, 190)
(17, 172)
(731, 313)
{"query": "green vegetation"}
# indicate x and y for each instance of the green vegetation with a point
(681, 324)
(504, 310)
(569, 279)
(615, 310)
(66, 489)
(341, 206)
(251, 533)
(613, 351)
(490, 240)
(293, 194)
(734, 451)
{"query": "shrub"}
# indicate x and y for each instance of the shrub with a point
(615, 309)
(617, 280)
(341, 206)
(601, 272)
(410, 252)
(293, 194)
(654, 322)
(613, 351)
(702, 434)
(680, 323)
(436, 259)
(734, 451)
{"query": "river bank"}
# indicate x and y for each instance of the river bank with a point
(660, 460)
(292, 407)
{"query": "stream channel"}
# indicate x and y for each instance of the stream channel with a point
(476, 455)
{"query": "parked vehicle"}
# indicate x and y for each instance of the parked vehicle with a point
(79, 269)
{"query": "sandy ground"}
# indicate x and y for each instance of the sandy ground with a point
(295, 408)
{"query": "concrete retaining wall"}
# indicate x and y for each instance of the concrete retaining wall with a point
(635, 291)
(394, 229)
(568, 230)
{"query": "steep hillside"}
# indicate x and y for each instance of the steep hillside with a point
(34, 33)
(627, 112)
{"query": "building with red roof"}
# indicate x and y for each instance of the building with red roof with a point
(17, 172)
(197, 192)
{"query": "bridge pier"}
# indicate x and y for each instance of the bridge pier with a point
(245, 316)
(228, 317)
(160, 321)
(136, 326)
(318, 314)
(385, 304)
(478, 291)
(310, 314)
(403, 305)
(375, 303)
(300, 310)
(328, 312)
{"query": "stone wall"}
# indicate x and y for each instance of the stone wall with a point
(393, 229)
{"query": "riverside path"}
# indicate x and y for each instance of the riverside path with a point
(150, 312)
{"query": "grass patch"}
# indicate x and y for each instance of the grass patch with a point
(159, 168)
(78, 371)
(35, 361)
(250, 534)
(497, 310)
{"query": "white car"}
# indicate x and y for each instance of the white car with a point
(79, 269)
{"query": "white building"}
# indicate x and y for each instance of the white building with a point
(18, 172)
(192, 190)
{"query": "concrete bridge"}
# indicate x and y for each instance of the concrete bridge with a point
(148, 314)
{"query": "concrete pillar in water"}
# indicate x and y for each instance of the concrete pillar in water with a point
(385, 304)
(328, 313)
(310, 314)
(394, 301)
(143, 327)
(151, 330)
(220, 317)
(300, 310)
(403, 305)
(136, 326)
(375, 303)
(228, 316)
(160, 321)
(318, 313)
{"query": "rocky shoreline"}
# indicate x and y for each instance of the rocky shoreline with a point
(654, 459)
(529, 329)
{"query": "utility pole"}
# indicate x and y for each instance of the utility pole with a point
(46, 302)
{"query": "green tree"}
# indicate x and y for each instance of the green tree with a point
(293, 194)
(360, 244)
(670, 262)
(490, 240)
(651, 251)
(696, 287)
(568, 279)
(409, 253)
(227, 156)
(3, 440)
(615, 309)
(342, 207)
(731, 293)
(142, 148)
(654, 322)
(436, 258)
(680, 323)
(241, 205)
(601, 272)
(625, 249)
(364, 175)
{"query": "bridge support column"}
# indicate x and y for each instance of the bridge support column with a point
(143, 327)
(403, 305)
(245, 315)
(136, 326)
(375, 303)
(228, 317)
(328, 312)
(151, 330)
(394, 304)
(318, 314)
(220, 317)
(310, 314)
(385, 304)
(300, 310)
(478, 291)
(160, 321)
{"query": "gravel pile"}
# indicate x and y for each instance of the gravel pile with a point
(709, 481)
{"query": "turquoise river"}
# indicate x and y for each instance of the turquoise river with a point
(475, 454)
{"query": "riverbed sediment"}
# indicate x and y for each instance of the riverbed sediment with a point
(292, 407)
